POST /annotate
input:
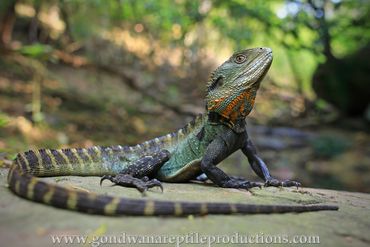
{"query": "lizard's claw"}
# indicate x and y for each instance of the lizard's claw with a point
(241, 184)
(277, 183)
(255, 184)
(126, 180)
(105, 177)
(154, 183)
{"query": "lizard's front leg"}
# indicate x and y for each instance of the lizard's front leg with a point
(217, 151)
(260, 168)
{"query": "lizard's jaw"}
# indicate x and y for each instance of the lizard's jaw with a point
(253, 75)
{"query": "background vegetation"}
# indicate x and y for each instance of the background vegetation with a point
(82, 73)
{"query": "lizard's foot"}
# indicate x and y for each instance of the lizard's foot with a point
(141, 184)
(277, 183)
(240, 183)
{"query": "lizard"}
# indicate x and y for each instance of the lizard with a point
(180, 156)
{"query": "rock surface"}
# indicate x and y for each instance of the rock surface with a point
(24, 223)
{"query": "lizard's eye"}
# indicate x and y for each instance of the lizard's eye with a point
(217, 83)
(240, 58)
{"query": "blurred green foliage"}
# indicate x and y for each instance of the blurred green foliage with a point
(4, 119)
(294, 23)
(287, 25)
(38, 51)
(302, 33)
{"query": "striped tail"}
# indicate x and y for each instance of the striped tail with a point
(64, 162)
(22, 182)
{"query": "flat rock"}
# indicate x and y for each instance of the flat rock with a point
(27, 223)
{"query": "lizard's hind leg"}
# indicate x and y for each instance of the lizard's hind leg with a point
(138, 173)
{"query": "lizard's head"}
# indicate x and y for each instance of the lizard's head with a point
(233, 86)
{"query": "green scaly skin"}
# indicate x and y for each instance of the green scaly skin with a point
(180, 156)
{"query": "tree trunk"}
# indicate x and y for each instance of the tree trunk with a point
(7, 24)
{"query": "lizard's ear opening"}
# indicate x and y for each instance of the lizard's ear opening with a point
(216, 83)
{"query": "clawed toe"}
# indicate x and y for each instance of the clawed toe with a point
(277, 183)
(256, 184)
(154, 183)
(241, 184)
(290, 183)
(106, 177)
(125, 180)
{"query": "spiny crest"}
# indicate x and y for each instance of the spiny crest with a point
(182, 133)
(168, 140)
(198, 120)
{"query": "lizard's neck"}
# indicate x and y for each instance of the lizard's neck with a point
(237, 126)
(234, 113)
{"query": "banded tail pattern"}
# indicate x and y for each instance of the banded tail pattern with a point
(63, 162)
(23, 180)
(33, 188)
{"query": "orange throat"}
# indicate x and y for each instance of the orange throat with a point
(238, 108)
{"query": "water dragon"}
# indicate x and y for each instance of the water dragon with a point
(176, 157)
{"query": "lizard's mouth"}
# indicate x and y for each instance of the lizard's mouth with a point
(255, 73)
